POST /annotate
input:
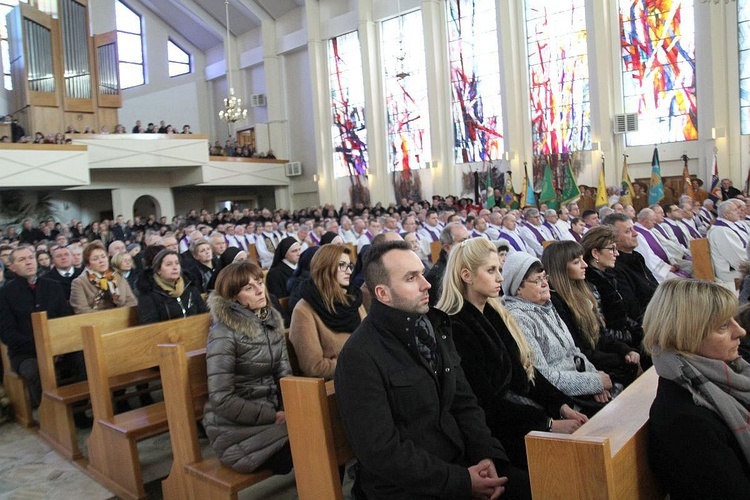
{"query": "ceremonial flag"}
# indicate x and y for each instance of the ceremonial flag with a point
(527, 191)
(656, 191)
(570, 192)
(715, 195)
(489, 200)
(687, 183)
(509, 195)
(548, 196)
(601, 191)
(627, 193)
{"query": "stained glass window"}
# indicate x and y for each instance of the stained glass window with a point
(475, 80)
(349, 130)
(558, 76)
(406, 92)
(743, 17)
(658, 63)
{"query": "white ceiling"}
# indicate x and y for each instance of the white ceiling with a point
(203, 21)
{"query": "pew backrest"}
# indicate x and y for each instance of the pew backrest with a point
(109, 354)
(700, 251)
(435, 247)
(54, 337)
(316, 436)
(606, 458)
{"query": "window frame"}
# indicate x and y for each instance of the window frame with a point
(128, 63)
(189, 64)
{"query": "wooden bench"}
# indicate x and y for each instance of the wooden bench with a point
(17, 392)
(606, 458)
(352, 252)
(316, 436)
(435, 248)
(55, 337)
(703, 267)
(252, 254)
(185, 389)
(113, 456)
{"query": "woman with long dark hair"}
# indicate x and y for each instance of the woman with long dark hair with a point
(576, 302)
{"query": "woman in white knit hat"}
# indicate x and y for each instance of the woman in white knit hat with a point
(555, 355)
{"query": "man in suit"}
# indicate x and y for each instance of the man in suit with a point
(63, 271)
(18, 299)
(408, 411)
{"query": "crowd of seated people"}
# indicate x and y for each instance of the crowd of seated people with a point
(233, 149)
(545, 340)
(18, 134)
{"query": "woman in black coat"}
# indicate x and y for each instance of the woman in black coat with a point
(699, 438)
(165, 294)
(495, 356)
(575, 301)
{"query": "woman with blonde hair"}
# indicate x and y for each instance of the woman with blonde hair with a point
(495, 355)
(576, 301)
(330, 309)
(245, 359)
(699, 437)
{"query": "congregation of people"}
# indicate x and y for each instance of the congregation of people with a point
(18, 133)
(528, 319)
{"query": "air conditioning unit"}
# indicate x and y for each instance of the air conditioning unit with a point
(293, 169)
(257, 100)
(626, 122)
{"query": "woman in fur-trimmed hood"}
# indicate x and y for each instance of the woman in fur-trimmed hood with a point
(245, 358)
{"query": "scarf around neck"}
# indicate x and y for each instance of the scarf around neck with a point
(173, 290)
(346, 317)
(719, 386)
(106, 283)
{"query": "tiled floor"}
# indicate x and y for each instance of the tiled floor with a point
(29, 469)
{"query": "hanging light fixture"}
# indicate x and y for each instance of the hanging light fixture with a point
(233, 110)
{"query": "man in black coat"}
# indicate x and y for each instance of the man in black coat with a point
(635, 281)
(18, 299)
(408, 412)
(452, 234)
(62, 270)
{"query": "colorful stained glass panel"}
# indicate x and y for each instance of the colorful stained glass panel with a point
(657, 40)
(348, 129)
(476, 101)
(407, 108)
(558, 76)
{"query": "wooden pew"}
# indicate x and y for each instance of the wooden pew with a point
(113, 456)
(703, 267)
(185, 389)
(17, 392)
(252, 254)
(55, 337)
(606, 458)
(435, 247)
(353, 249)
(316, 436)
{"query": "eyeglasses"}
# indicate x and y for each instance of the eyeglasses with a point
(343, 267)
(612, 249)
(538, 281)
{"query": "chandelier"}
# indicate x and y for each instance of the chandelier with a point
(233, 110)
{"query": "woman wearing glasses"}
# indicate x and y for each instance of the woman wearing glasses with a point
(600, 253)
(554, 354)
(328, 312)
(576, 302)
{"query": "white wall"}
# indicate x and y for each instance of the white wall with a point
(178, 101)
